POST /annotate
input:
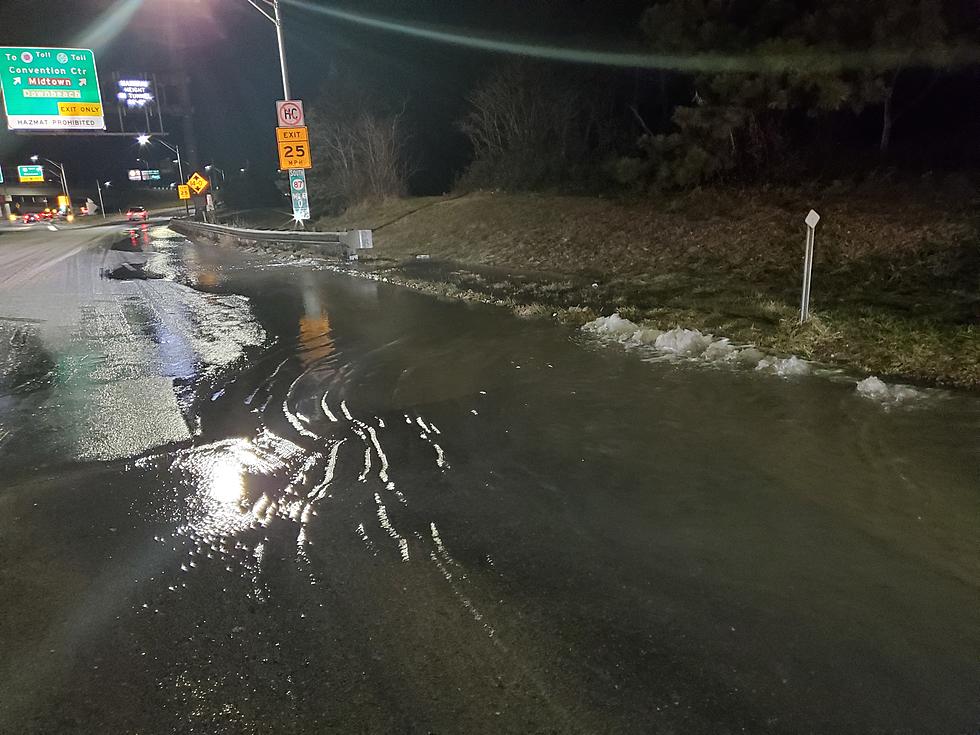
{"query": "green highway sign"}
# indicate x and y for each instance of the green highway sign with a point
(27, 174)
(50, 89)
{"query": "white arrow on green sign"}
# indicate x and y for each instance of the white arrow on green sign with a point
(50, 89)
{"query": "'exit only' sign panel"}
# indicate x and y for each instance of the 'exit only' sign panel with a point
(50, 89)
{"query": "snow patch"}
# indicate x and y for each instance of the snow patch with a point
(644, 336)
(749, 357)
(875, 389)
(612, 326)
(683, 342)
(720, 349)
(784, 367)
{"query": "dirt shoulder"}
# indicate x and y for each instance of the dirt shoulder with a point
(895, 285)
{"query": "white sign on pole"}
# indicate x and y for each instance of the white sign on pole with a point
(289, 114)
(811, 224)
(299, 195)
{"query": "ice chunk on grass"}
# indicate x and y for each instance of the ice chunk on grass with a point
(749, 357)
(684, 342)
(645, 336)
(611, 326)
(720, 349)
(785, 367)
(876, 389)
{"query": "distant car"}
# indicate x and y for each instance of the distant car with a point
(30, 217)
(134, 214)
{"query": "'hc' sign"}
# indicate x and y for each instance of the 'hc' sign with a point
(290, 114)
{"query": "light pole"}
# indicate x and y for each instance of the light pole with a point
(144, 139)
(61, 170)
(98, 185)
(276, 20)
(211, 167)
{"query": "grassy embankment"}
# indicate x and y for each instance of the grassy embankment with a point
(895, 285)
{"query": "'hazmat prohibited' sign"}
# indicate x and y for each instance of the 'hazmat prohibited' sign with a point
(289, 114)
(51, 89)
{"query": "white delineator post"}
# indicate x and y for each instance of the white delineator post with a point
(811, 225)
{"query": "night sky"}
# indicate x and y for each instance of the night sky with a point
(230, 53)
(231, 57)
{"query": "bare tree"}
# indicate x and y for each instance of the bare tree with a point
(529, 125)
(361, 156)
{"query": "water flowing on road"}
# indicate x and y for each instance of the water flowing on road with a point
(384, 512)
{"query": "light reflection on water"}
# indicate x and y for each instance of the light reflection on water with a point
(226, 481)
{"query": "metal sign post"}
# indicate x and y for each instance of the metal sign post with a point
(811, 225)
(98, 185)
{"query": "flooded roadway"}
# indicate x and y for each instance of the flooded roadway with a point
(255, 497)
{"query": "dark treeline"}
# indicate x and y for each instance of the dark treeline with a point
(782, 91)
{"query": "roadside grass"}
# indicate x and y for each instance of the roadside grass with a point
(896, 280)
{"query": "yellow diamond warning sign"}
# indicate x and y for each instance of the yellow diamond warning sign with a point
(197, 183)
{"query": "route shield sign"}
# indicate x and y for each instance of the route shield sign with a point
(299, 195)
(30, 174)
(197, 183)
(183, 191)
(50, 89)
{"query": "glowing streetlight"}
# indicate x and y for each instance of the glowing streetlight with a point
(61, 171)
(144, 139)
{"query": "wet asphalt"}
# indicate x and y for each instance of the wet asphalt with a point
(249, 494)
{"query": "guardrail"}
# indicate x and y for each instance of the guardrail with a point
(346, 244)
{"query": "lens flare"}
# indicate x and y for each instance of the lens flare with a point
(813, 60)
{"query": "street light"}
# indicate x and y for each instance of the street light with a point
(61, 170)
(209, 168)
(276, 20)
(144, 139)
